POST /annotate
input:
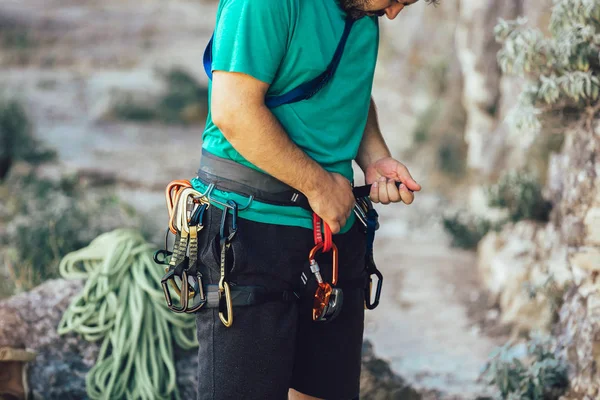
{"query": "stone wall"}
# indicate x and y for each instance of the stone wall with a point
(532, 268)
(488, 95)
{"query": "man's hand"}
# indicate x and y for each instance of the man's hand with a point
(383, 174)
(333, 201)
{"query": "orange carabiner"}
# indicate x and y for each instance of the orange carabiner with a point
(172, 193)
(327, 300)
(334, 264)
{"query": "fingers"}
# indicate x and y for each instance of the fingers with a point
(406, 195)
(405, 177)
(384, 191)
(336, 225)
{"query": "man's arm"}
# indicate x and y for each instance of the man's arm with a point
(372, 146)
(239, 111)
(381, 170)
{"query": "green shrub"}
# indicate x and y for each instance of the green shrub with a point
(17, 38)
(520, 193)
(466, 230)
(184, 101)
(451, 156)
(540, 375)
(127, 109)
(50, 219)
(561, 69)
(517, 191)
(16, 140)
(425, 122)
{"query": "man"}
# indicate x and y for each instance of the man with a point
(267, 48)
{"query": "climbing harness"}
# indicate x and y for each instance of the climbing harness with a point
(187, 207)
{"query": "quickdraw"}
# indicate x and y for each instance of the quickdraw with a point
(328, 299)
(369, 218)
(186, 208)
(225, 303)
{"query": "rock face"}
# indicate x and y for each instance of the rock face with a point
(577, 169)
(29, 320)
(527, 266)
(565, 252)
(378, 382)
(488, 95)
(477, 51)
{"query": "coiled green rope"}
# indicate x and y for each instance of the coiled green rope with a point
(122, 304)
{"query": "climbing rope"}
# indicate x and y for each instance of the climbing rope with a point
(122, 305)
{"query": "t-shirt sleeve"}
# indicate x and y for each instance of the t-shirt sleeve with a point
(251, 37)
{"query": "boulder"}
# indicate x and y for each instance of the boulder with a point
(29, 321)
(524, 268)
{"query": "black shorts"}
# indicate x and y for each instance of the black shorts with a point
(275, 346)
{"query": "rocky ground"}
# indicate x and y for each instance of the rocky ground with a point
(434, 324)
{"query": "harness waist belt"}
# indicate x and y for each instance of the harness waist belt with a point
(247, 296)
(230, 176)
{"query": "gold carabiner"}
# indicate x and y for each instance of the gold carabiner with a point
(225, 290)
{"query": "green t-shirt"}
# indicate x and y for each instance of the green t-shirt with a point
(286, 43)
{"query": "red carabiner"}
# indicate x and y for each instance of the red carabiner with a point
(334, 263)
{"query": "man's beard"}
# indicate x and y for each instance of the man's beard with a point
(354, 8)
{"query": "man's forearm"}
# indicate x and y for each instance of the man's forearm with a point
(259, 137)
(372, 146)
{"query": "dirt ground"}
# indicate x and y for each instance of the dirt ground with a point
(434, 324)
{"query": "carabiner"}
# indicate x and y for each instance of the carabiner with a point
(180, 270)
(161, 260)
(334, 264)
(172, 193)
(196, 290)
(328, 300)
(369, 288)
(234, 213)
(225, 302)
(198, 214)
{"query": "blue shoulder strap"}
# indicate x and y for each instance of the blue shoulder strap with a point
(304, 91)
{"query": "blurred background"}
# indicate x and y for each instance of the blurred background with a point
(490, 275)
